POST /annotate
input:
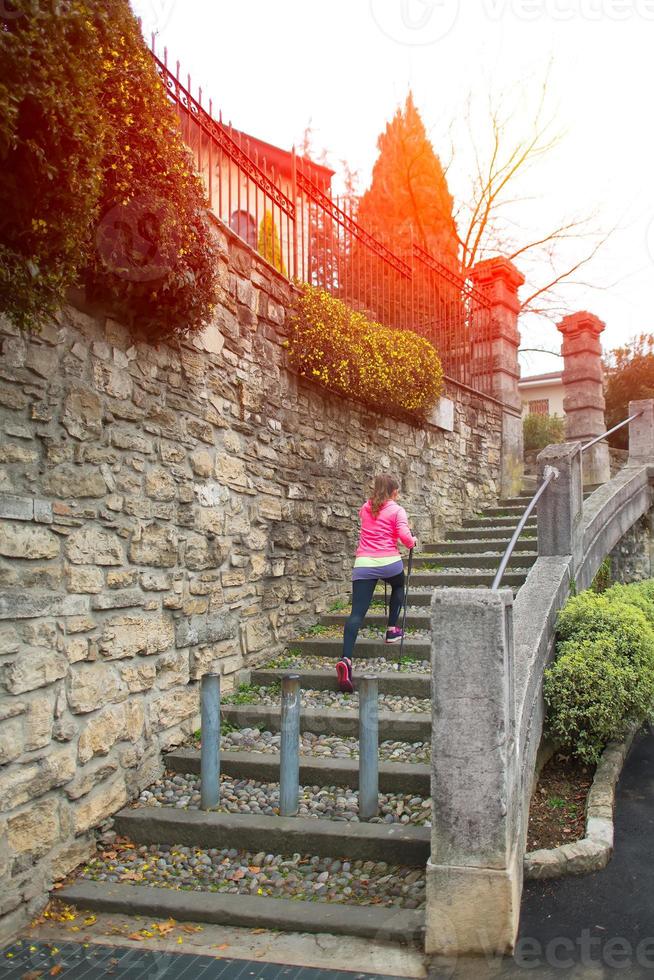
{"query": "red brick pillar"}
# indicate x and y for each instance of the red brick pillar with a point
(583, 391)
(500, 280)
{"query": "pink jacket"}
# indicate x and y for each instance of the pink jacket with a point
(379, 535)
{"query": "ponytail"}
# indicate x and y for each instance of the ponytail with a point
(383, 488)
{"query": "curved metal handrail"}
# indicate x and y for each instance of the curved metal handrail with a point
(550, 473)
(610, 431)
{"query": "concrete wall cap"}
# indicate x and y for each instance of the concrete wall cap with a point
(583, 320)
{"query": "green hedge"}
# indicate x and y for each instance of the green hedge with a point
(540, 431)
(344, 351)
(603, 678)
(98, 188)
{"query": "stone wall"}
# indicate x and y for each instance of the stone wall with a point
(165, 511)
(631, 559)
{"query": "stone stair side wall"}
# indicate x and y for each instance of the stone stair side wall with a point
(165, 511)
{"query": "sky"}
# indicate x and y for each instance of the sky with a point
(344, 66)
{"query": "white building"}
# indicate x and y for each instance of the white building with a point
(542, 394)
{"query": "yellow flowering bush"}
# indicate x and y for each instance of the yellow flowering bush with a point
(344, 351)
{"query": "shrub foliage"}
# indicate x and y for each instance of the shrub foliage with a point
(99, 188)
(542, 430)
(390, 370)
(603, 678)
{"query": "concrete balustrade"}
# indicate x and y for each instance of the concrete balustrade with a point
(489, 652)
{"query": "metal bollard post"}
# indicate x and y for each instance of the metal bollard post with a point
(368, 748)
(289, 750)
(210, 751)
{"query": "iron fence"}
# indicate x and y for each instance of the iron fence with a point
(280, 203)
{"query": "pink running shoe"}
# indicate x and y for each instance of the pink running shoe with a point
(344, 674)
(394, 634)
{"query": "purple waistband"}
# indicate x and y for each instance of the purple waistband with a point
(363, 574)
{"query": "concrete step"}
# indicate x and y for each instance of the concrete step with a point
(497, 522)
(394, 843)
(506, 510)
(465, 580)
(382, 924)
(327, 646)
(394, 777)
(521, 559)
(405, 685)
(396, 725)
(418, 621)
(490, 534)
(478, 545)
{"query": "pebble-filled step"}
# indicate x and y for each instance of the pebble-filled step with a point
(321, 746)
(361, 665)
(366, 632)
(329, 699)
(317, 802)
(232, 872)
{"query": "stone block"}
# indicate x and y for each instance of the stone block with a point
(39, 721)
(11, 740)
(102, 802)
(173, 707)
(26, 541)
(35, 830)
(138, 676)
(173, 669)
(94, 546)
(14, 508)
(130, 439)
(85, 579)
(70, 855)
(122, 578)
(128, 635)
(201, 553)
(90, 686)
(204, 630)
(257, 635)
(117, 600)
(89, 776)
(83, 414)
(154, 545)
(17, 604)
(71, 480)
(155, 581)
(23, 783)
(159, 484)
(202, 463)
(472, 911)
(230, 471)
(34, 667)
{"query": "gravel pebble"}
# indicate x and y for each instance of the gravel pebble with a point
(316, 802)
(323, 746)
(305, 877)
(335, 699)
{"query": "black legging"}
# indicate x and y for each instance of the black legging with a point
(362, 593)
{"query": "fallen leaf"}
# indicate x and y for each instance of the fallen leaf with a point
(180, 940)
(32, 975)
(238, 874)
(56, 970)
(222, 946)
(90, 920)
(136, 936)
(254, 869)
(257, 932)
(165, 927)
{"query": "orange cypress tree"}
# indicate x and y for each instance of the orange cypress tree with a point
(408, 195)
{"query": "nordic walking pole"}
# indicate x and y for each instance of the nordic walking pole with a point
(406, 603)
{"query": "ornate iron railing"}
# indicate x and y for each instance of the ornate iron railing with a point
(280, 208)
